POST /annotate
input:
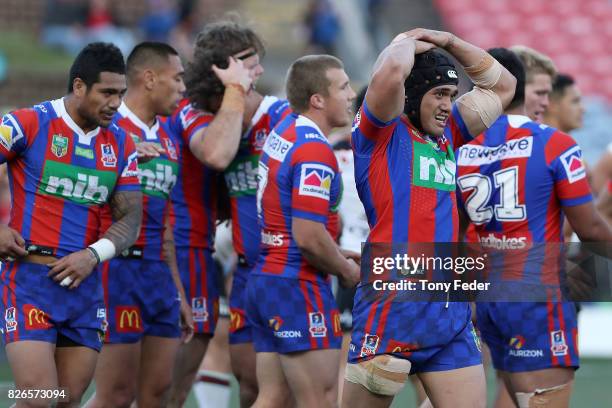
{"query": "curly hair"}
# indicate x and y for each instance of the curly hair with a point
(214, 45)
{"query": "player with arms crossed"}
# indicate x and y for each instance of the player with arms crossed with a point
(142, 286)
(289, 300)
(211, 124)
(65, 161)
(517, 180)
(403, 140)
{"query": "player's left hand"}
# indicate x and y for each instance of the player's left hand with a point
(72, 269)
(186, 322)
(147, 151)
(441, 39)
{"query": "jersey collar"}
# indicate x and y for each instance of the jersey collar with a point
(304, 121)
(516, 121)
(60, 110)
(150, 132)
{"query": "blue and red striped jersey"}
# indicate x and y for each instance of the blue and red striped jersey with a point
(515, 178)
(60, 176)
(194, 198)
(157, 179)
(241, 177)
(298, 177)
(405, 179)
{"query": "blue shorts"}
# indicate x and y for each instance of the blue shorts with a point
(433, 336)
(530, 336)
(199, 278)
(141, 299)
(240, 330)
(36, 307)
(288, 315)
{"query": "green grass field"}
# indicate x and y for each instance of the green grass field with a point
(593, 387)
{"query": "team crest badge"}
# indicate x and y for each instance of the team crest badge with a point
(559, 346)
(198, 309)
(317, 324)
(59, 145)
(11, 321)
(260, 139)
(171, 149)
(108, 156)
(369, 345)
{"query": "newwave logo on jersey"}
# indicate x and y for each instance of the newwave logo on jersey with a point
(315, 180)
(503, 242)
(79, 184)
(476, 155)
(276, 147)
(573, 165)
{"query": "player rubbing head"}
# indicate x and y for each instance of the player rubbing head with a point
(430, 90)
(97, 83)
(157, 68)
(215, 44)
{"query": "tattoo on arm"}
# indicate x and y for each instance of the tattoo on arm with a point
(126, 207)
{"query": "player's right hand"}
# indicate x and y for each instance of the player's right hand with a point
(147, 151)
(352, 275)
(12, 244)
(236, 73)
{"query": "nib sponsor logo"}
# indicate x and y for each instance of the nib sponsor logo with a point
(516, 348)
(503, 242)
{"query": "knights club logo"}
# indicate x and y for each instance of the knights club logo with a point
(59, 145)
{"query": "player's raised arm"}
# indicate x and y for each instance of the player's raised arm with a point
(217, 144)
(385, 95)
(493, 85)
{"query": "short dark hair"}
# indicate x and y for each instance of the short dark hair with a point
(214, 45)
(511, 61)
(95, 58)
(561, 82)
(149, 53)
(308, 76)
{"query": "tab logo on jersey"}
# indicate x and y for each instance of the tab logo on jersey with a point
(198, 309)
(559, 346)
(369, 345)
(128, 320)
(315, 180)
(241, 176)
(87, 153)
(10, 319)
(433, 169)
(572, 163)
(108, 155)
(475, 155)
(35, 319)
(276, 147)
(158, 177)
(59, 145)
(316, 324)
(79, 184)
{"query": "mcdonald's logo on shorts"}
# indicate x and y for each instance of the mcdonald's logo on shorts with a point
(237, 320)
(336, 324)
(128, 320)
(35, 319)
